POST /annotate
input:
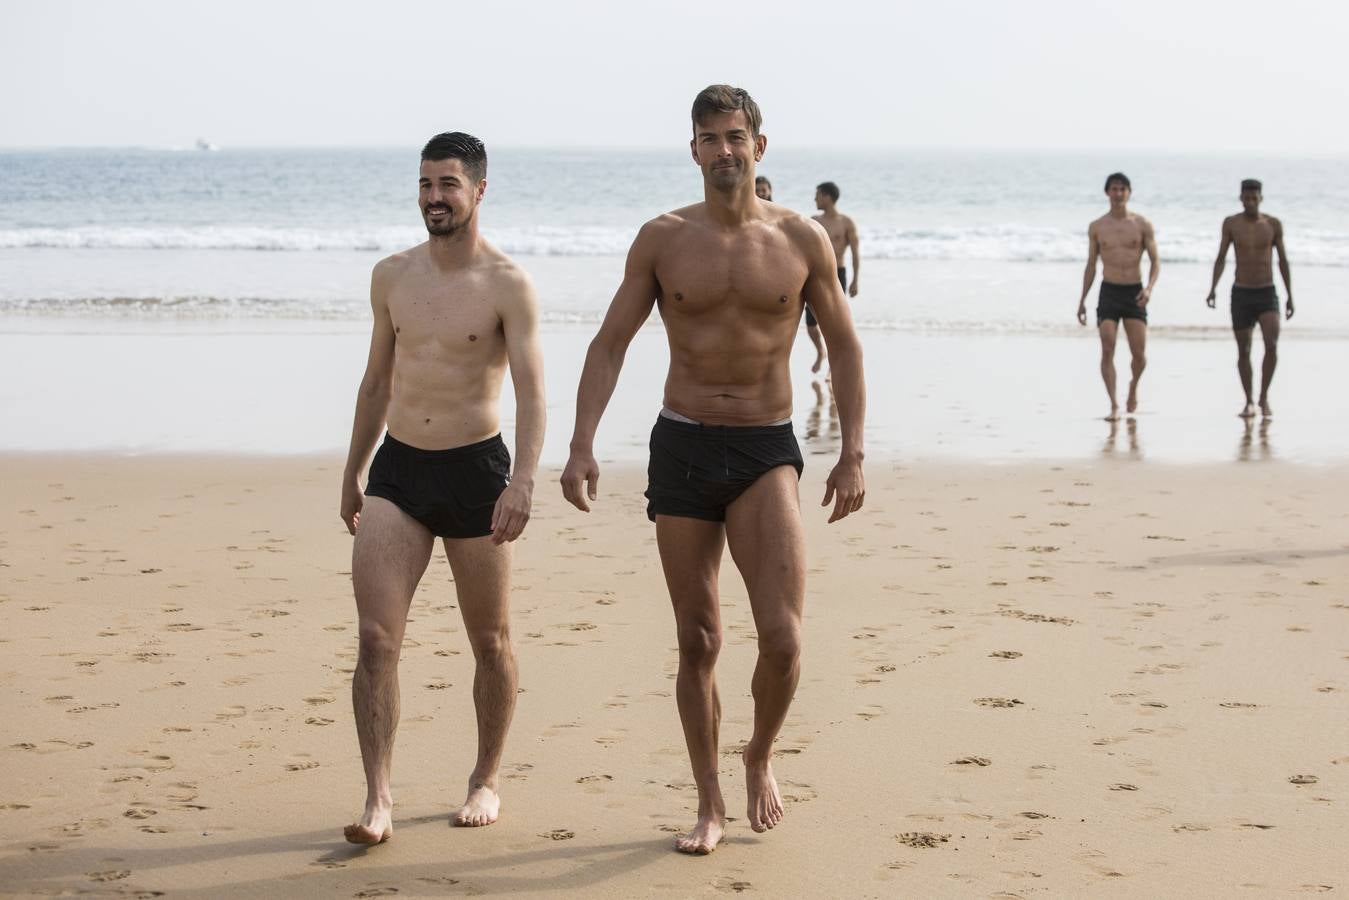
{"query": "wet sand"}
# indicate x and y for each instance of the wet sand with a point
(1030, 679)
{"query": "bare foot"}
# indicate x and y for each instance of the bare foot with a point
(819, 361)
(765, 803)
(375, 827)
(1265, 409)
(1247, 411)
(480, 808)
(705, 836)
(1114, 414)
(1131, 405)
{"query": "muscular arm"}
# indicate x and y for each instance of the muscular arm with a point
(1284, 269)
(1154, 260)
(1220, 263)
(372, 399)
(1088, 276)
(628, 310)
(520, 323)
(856, 257)
(825, 297)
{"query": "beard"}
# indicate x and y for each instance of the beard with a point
(449, 225)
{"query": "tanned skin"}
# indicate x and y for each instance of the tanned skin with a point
(1256, 237)
(842, 233)
(729, 276)
(449, 316)
(1119, 239)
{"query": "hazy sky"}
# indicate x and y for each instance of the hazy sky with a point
(1236, 75)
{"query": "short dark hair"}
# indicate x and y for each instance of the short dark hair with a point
(1120, 177)
(1252, 184)
(829, 189)
(761, 179)
(461, 146)
(722, 98)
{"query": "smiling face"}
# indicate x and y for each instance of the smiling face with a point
(725, 148)
(1118, 192)
(447, 196)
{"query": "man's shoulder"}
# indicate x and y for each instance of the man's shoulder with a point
(398, 262)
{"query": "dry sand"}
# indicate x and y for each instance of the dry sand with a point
(1115, 679)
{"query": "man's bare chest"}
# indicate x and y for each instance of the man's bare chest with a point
(763, 276)
(443, 317)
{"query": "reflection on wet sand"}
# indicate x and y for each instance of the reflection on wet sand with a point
(1254, 443)
(1111, 448)
(822, 431)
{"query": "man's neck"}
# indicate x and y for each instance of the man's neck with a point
(453, 251)
(733, 207)
(1119, 212)
(1250, 216)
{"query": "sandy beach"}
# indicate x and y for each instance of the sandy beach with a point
(1096, 678)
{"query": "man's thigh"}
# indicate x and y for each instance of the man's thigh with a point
(1108, 330)
(1269, 326)
(767, 541)
(1136, 331)
(690, 554)
(388, 558)
(1243, 336)
(482, 579)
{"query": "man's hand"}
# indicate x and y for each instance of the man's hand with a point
(352, 501)
(852, 289)
(845, 488)
(1082, 313)
(1212, 299)
(581, 468)
(511, 513)
(1288, 307)
(1143, 297)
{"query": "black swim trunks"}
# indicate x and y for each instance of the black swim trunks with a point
(452, 492)
(696, 471)
(843, 280)
(1250, 303)
(1119, 301)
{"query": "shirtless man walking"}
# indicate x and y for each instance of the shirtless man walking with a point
(1120, 238)
(842, 235)
(729, 276)
(449, 315)
(1254, 298)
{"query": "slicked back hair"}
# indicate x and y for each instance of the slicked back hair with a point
(1121, 178)
(722, 98)
(461, 146)
(1252, 184)
(829, 189)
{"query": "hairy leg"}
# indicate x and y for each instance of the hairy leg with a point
(690, 553)
(1136, 331)
(763, 529)
(482, 578)
(1108, 330)
(388, 558)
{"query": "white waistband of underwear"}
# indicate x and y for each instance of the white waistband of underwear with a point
(678, 417)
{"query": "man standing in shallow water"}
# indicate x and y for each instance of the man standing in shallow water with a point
(842, 236)
(1119, 238)
(729, 276)
(1254, 298)
(450, 314)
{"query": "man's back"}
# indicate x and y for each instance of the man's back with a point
(731, 300)
(449, 344)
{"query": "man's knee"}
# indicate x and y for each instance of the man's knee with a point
(1140, 362)
(780, 647)
(379, 646)
(699, 643)
(491, 646)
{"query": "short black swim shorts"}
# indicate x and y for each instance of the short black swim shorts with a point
(1250, 303)
(1119, 301)
(696, 471)
(452, 492)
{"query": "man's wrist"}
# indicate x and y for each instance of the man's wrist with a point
(851, 455)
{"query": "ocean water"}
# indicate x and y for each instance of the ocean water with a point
(161, 301)
(965, 241)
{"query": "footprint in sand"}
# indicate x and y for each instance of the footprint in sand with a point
(1123, 787)
(922, 840)
(558, 834)
(979, 761)
(301, 765)
(1232, 704)
(318, 720)
(997, 702)
(109, 875)
(870, 712)
(1303, 779)
(1005, 654)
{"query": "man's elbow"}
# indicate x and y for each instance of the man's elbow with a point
(376, 388)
